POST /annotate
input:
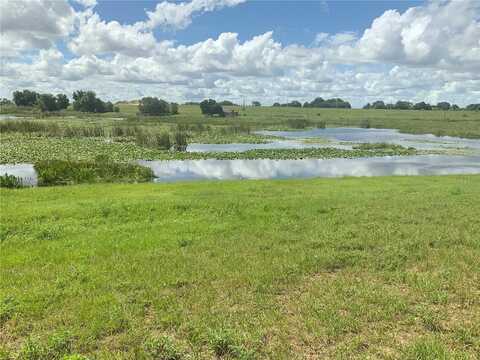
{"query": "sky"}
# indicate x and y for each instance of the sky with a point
(265, 50)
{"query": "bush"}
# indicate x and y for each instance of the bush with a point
(11, 182)
(162, 141)
(180, 141)
(87, 101)
(65, 172)
(210, 107)
(365, 124)
(163, 348)
(298, 123)
(155, 106)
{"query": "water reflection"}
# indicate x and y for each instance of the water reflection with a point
(282, 169)
(360, 135)
(280, 144)
(24, 171)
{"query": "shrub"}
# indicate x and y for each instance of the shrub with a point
(365, 124)
(65, 172)
(298, 123)
(155, 106)
(162, 141)
(162, 348)
(180, 141)
(11, 182)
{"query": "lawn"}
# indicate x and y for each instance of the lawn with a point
(323, 268)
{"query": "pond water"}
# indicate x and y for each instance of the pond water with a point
(8, 117)
(360, 135)
(281, 169)
(280, 144)
(211, 169)
(24, 171)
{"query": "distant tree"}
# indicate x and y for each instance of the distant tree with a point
(276, 104)
(87, 101)
(153, 106)
(5, 101)
(227, 103)
(173, 108)
(403, 105)
(116, 109)
(25, 98)
(330, 103)
(47, 102)
(294, 103)
(256, 103)
(422, 106)
(473, 107)
(443, 105)
(379, 104)
(210, 107)
(367, 106)
(62, 101)
(455, 107)
(108, 106)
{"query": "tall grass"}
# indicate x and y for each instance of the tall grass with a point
(66, 172)
(11, 182)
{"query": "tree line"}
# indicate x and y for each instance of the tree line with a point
(406, 105)
(335, 103)
(83, 101)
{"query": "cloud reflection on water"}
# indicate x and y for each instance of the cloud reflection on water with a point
(281, 169)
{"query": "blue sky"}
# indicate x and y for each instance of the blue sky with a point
(293, 22)
(270, 51)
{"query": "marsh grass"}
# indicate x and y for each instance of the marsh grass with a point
(65, 172)
(11, 182)
(382, 146)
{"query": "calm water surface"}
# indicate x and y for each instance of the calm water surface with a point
(359, 135)
(24, 171)
(345, 138)
(306, 168)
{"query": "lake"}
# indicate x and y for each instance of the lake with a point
(306, 168)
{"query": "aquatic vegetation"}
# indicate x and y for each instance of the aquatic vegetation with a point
(381, 146)
(67, 172)
(11, 182)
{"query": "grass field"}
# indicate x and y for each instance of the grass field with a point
(328, 268)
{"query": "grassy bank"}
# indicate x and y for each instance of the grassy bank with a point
(327, 268)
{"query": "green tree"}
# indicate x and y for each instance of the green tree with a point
(403, 105)
(62, 101)
(256, 103)
(422, 106)
(25, 98)
(210, 107)
(379, 104)
(443, 105)
(153, 106)
(85, 101)
(174, 108)
(47, 102)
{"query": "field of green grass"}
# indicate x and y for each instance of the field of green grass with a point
(300, 269)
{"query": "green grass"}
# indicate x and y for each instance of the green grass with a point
(68, 172)
(323, 268)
